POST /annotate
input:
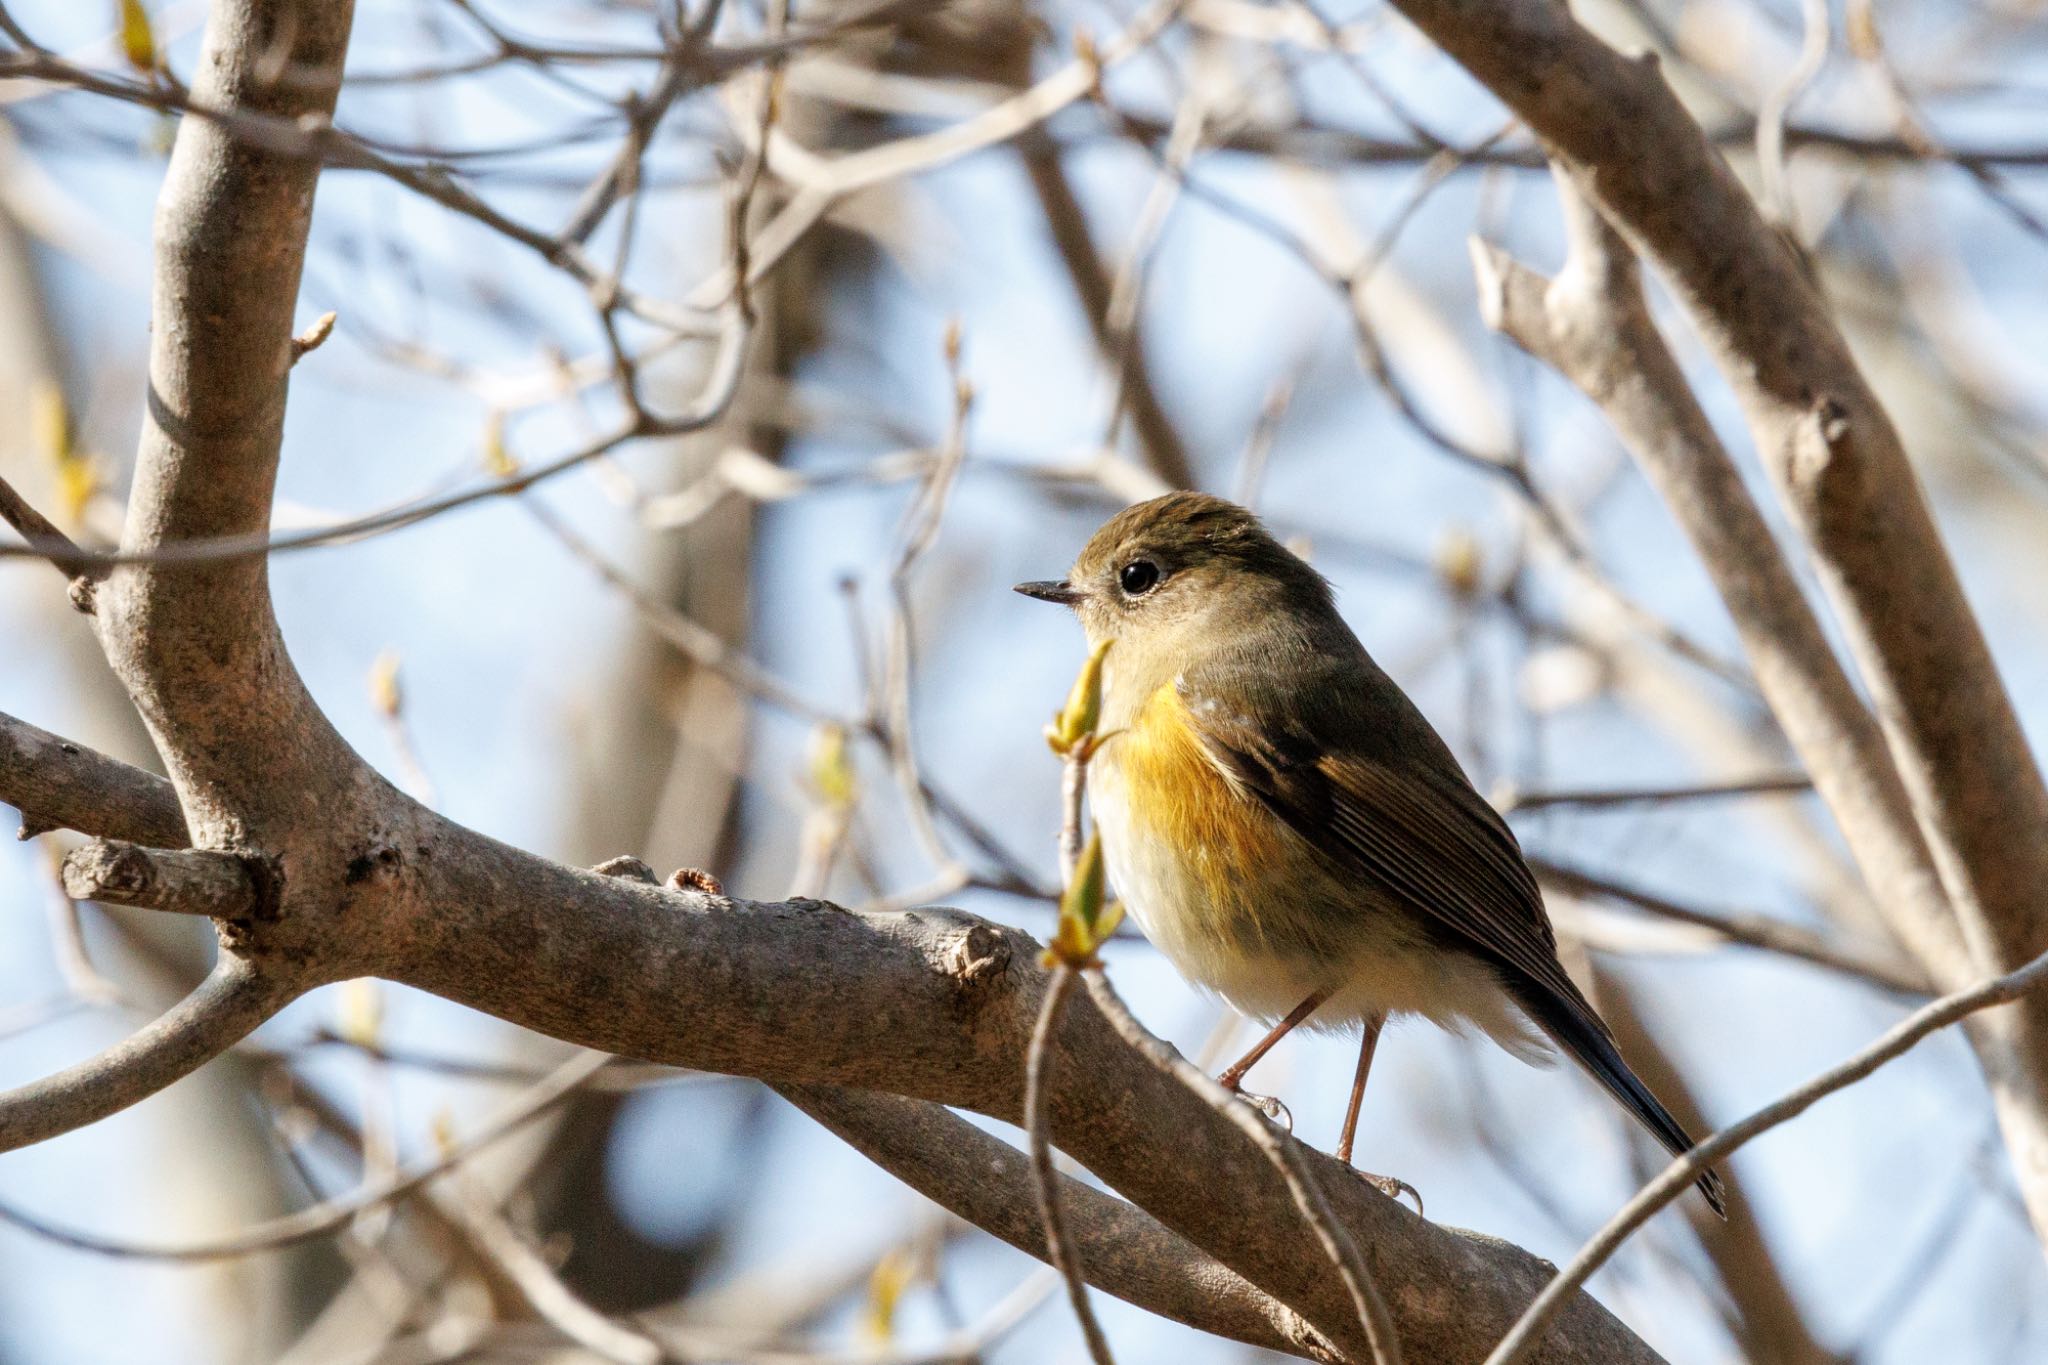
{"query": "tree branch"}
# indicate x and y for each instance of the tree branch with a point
(183, 881)
(1522, 1343)
(196, 644)
(223, 1010)
(46, 538)
(932, 1004)
(1060, 1250)
(1764, 1316)
(1592, 325)
(1838, 463)
(1125, 1252)
(56, 784)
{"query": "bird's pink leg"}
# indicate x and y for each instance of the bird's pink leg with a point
(1233, 1075)
(1391, 1186)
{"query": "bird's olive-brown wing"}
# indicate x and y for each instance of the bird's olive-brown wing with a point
(1413, 828)
(1354, 769)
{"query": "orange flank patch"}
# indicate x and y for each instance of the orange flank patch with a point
(1177, 798)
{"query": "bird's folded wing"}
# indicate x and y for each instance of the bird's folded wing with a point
(1426, 839)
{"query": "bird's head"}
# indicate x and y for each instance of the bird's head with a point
(1183, 560)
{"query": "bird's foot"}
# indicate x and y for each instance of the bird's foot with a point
(1269, 1105)
(1392, 1186)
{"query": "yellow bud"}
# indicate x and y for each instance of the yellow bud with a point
(1459, 562)
(892, 1276)
(51, 420)
(832, 775)
(952, 343)
(386, 693)
(1106, 925)
(78, 474)
(78, 483)
(498, 460)
(138, 36)
(362, 1011)
(1085, 923)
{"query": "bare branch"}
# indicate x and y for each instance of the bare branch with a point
(930, 1003)
(1126, 1252)
(516, 1259)
(326, 1217)
(1521, 1343)
(1593, 326)
(1765, 1315)
(185, 881)
(1512, 800)
(1867, 963)
(57, 784)
(1305, 1189)
(1059, 1243)
(1067, 221)
(225, 1009)
(1840, 467)
(46, 539)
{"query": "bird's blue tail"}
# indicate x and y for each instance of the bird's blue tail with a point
(1573, 1026)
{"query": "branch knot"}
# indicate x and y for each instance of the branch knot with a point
(977, 953)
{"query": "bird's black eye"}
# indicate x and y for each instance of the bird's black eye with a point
(1138, 577)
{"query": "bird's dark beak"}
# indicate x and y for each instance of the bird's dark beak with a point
(1061, 592)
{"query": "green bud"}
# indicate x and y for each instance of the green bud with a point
(1076, 721)
(1085, 922)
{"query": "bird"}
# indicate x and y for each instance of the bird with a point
(1286, 826)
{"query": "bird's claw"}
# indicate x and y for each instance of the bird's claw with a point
(1392, 1186)
(1270, 1106)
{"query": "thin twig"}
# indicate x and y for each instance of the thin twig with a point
(324, 1218)
(1780, 784)
(493, 1237)
(47, 541)
(1059, 1243)
(1749, 929)
(1331, 1235)
(1678, 1177)
(1770, 119)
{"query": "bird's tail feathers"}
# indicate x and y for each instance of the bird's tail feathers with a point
(1576, 1029)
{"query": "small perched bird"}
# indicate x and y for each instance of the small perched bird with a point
(1284, 824)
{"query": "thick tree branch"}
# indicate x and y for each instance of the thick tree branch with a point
(254, 760)
(1838, 463)
(929, 1003)
(56, 784)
